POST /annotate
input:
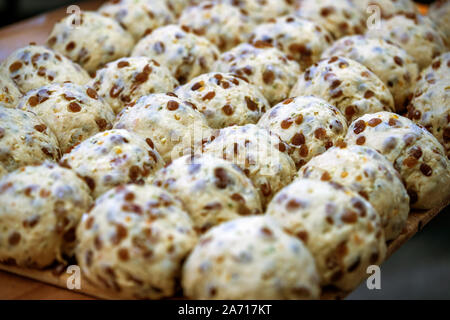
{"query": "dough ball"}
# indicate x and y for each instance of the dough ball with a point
(261, 155)
(40, 208)
(415, 153)
(138, 17)
(133, 242)
(185, 54)
(340, 228)
(124, 81)
(90, 39)
(72, 112)
(112, 158)
(25, 140)
(301, 39)
(370, 174)
(34, 66)
(212, 190)
(224, 99)
(170, 125)
(267, 68)
(308, 125)
(250, 258)
(397, 69)
(346, 84)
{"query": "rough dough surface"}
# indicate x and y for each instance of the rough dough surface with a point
(263, 11)
(72, 112)
(340, 228)
(415, 153)
(439, 13)
(133, 242)
(250, 258)
(370, 174)
(225, 99)
(213, 190)
(112, 158)
(346, 84)
(25, 140)
(9, 93)
(170, 125)
(40, 208)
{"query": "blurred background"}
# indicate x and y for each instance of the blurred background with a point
(419, 270)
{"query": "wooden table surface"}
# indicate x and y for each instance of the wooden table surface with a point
(12, 37)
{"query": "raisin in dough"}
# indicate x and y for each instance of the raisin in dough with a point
(125, 80)
(416, 34)
(9, 93)
(308, 125)
(111, 158)
(301, 39)
(439, 13)
(221, 23)
(370, 174)
(340, 228)
(213, 190)
(263, 11)
(138, 17)
(346, 84)
(416, 154)
(34, 66)
(341, 17)
(224, 99)
(260, 154)
(397, 69)
(268, 69)
(250, 258)
(25, 139)
(185, 54)
(388, 8)
(72, 112)
(170, 125)
(430, 106)
(40, 208)
(133, 242)
(91, 40)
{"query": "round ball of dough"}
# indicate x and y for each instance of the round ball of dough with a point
(170, 125)
(340, 18)
(133, 242)
(370, 174)
(72, 112)
(221, 23)
(40, 208)
(25, 139)
(263, 11)
(124, 81)
(416, 34)
(388, 8)
(439, 13)
(261, 155)
(185, 54)
(212, 190)
(250, 258)
(90, 39)
(112, 158)
(346, 84)
(138, 17)
(397, 69)
(9, 93)
(267, 68)
(430, 106)
(33, 67)
(340, 228)
(301, 39)
(416, 154)
(224, 99)
(308, 125)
